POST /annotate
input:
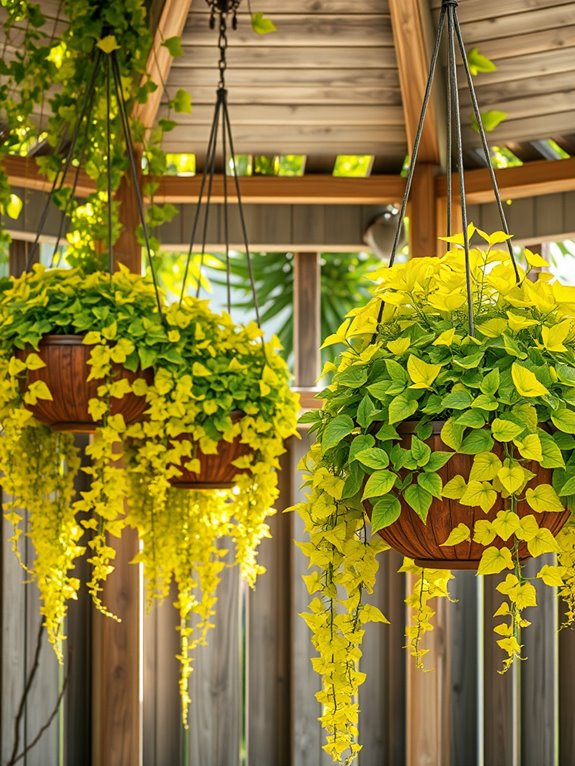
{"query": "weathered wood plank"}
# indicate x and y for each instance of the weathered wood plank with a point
(541, 127)
(428, 699)
(214, 736)
(260, 139)
(545, 105)
(523, 68)
(474, 10)
(269, 646)
(13, 643)
(566, 692)
(516, 24)
(161, 709)
(465, 750)
(539, 682)
(382, 697)
(262, 116)
(315, 7)
(529, 43)
(285, 93)
(116, 665)
(374, 56)
(501, 740)
(307, 332)
(78, 699)
(298, 31)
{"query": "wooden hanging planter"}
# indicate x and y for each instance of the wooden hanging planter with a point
(216, 471)
(422, 541)
(66, 375)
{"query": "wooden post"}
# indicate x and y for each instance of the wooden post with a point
(422, 213)
(117, 708)
(307, 321)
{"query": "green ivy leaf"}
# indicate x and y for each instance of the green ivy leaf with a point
(457, 400)
(490, 119)
(385, 512)
(359, 444)
(174, 46)
(378, 484)
(564, 420)
(182, 102)
(262, 25)
(438, 460)
(419, 499)
(373, 457)
(479, 63)
(354, 481)
(336, 430)
(400, 408)
(475, 442)
(366, 412)
(490, 383)
(420, 451)
(552, 456)
(471, 419)
(452, 434)
(353, 377)
(505, 430)
(432, 483)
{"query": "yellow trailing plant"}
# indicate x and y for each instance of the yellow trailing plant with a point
(505, 397)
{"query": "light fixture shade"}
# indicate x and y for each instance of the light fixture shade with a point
(380, 232)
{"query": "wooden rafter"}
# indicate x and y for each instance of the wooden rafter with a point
(171, 24)
(413, 35)
(534, 179)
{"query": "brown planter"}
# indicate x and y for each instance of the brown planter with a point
(66, 375)
(216, 471)
(422, 541)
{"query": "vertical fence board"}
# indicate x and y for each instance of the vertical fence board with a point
(78, 699)
(45, 689)
(215, 685)
(269, 644)
(161, 714)
(464, 676)
(539, 689)
(501, 734)
(428, 697)
(566, 694)
(305, 710)
(13, 643)
(382, 696)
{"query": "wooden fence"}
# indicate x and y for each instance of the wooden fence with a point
(253, 686)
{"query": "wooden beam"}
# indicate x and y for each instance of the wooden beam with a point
(534, 179)
(303, 190)
(171, 24)
(413, 33)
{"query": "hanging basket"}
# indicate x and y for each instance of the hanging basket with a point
(66, 375)
(216, 471)
(422, 541)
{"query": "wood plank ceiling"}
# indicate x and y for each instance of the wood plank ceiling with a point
(326, 83)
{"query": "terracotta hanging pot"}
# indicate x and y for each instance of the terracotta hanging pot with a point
(216, 471)
(66, 375)
(422, 541)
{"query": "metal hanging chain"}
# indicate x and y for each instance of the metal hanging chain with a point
(60, 177)
(449, 13)
(221, 8)
(419, 133)
(122, 109)
(484, 142)
(80, 160)
(452, 68)
(205, 173)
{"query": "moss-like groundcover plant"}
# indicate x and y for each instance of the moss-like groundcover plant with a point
(204, 368)
(505, 399)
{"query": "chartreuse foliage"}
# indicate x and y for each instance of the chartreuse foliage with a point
(204, 368)
(506, 397)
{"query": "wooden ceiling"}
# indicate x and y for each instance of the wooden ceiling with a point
(327, 82)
